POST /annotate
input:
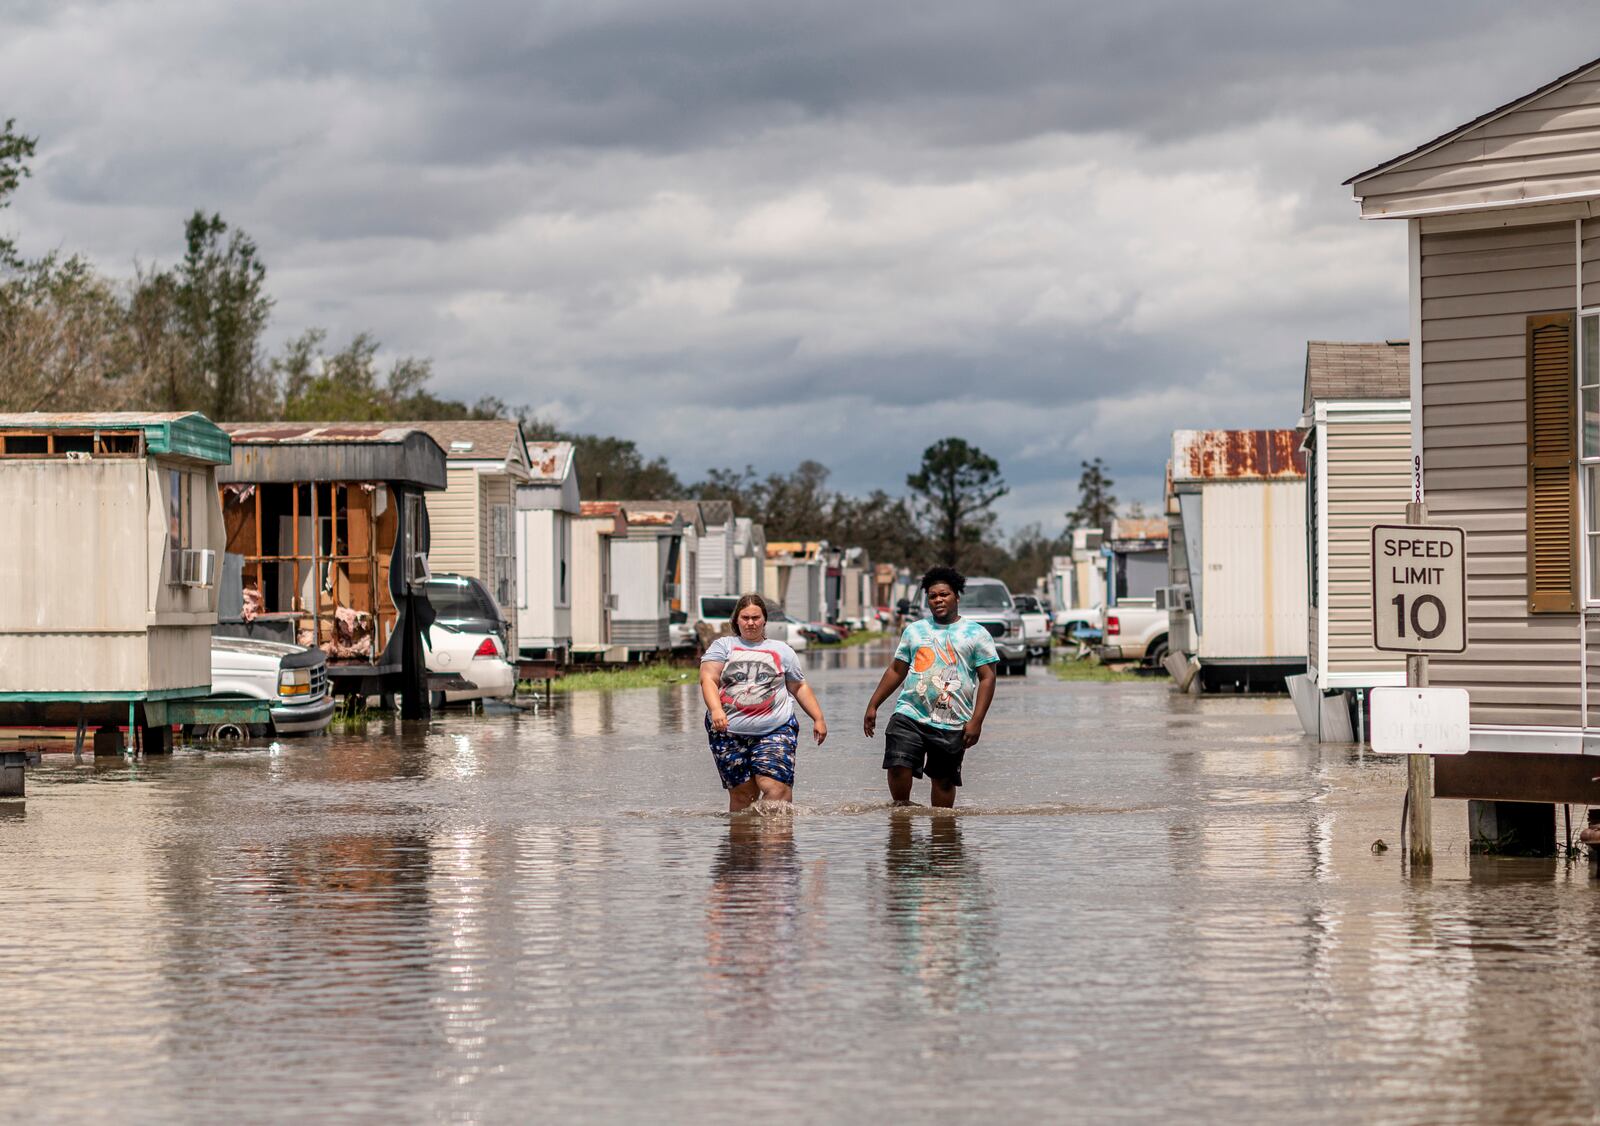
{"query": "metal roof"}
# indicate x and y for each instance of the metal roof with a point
(1349, 370)
(287, 452)
(179, 433)
(1237, 455)
(549, 462)
(1139, 528)
(689, 510)
(1481, 119)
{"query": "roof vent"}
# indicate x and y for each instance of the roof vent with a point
(460, 447)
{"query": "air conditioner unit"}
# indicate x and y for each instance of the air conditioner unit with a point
(1174, 598)
(197, 567)
(611, 602)
(417, 570)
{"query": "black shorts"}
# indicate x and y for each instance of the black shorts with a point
(936, 750)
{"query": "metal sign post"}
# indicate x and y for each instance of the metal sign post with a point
(1419, 606)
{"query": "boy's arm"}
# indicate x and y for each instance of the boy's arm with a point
(892, 678)
(973, 731)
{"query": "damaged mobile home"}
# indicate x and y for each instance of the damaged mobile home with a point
(331, 532)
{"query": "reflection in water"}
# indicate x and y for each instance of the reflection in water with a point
(939, 910)
(753, 912)
(1148, 906)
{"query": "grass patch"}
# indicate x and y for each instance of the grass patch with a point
(629, 676)
(860, 637)
(1073, 669)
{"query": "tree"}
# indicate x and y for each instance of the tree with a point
(16, 149)
(1028, 557)
(223, 309)
(1097, 505)
(954, 488)
(351, 385)
(65, 342)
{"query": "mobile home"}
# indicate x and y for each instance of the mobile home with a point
(331, 528)
(546, 507)
(645, 562)
(1240, 617)
(684, 579)
(1503, 236)
(594, 599)
(472, 521)
(110, 582)
(1356, 418)
(795, 578)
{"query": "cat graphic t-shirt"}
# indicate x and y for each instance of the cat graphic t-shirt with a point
(755, 694)
(942, 687)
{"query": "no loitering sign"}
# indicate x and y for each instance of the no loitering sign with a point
(1419, 589)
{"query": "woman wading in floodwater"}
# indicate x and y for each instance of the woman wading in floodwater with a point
(750, 686)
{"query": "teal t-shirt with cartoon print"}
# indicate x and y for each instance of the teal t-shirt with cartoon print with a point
(942, 687)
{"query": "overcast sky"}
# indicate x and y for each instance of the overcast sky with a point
(754, 233)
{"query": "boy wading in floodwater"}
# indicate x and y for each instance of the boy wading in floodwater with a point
(940, 714)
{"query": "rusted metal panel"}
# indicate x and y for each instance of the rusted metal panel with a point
(1237, 455)
(1139, 528)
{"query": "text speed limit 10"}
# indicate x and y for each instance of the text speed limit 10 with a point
(1419, 589)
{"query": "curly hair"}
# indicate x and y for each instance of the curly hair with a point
(951, 577)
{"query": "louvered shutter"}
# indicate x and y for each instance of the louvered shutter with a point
(1552, 466)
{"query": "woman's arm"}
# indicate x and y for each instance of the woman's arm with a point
(711, 689)
(807, 700)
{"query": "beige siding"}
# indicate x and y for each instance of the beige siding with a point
(1368, 482)
(1519, 668)
(590, 571)
(1549, 148)
(454, 525)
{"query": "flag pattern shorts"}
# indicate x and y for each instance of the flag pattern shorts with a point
(741, 757)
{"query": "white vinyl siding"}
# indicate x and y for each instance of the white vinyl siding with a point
(1478, 288)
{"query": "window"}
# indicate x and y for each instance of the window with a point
(501, 570)
(564, 553)
(180, 521)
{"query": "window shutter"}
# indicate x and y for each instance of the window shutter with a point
(1552, 466)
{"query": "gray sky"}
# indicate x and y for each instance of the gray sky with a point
(741, 232)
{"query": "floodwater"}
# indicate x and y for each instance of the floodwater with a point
(1148, 905)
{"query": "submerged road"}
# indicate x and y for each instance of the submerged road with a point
(1148, 905)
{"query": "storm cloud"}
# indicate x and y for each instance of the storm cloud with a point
(744, 233)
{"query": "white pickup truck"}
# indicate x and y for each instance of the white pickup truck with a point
(1134, 630)
(1035, 625)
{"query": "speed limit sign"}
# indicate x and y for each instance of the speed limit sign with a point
(1419, 589)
